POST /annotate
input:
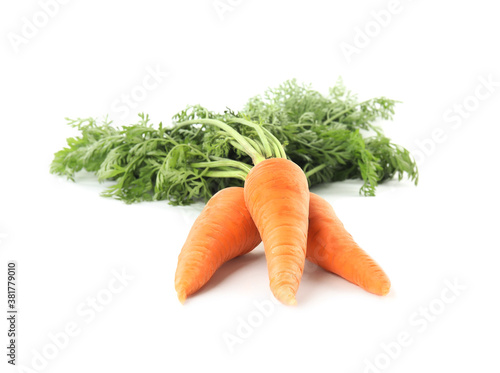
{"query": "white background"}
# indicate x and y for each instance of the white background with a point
(68, 240)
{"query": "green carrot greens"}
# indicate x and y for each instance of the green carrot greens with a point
(331, 137)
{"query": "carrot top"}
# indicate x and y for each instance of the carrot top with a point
(257, 144)
(331, 137)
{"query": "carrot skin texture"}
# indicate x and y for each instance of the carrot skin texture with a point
(223, 231)
(333, 248)
(277, 197)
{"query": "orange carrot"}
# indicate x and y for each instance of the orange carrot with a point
(330, 246)
(277, 197)
(223, 231)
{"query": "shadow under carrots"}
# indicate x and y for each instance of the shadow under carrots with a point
(230, 267)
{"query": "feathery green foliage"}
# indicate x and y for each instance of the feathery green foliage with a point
(332, 137)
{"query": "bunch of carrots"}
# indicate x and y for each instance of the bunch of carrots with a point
(262, 191)
(275, 207)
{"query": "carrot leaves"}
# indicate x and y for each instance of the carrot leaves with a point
(333, 137)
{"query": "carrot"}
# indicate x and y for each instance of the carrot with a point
(330, 246)
(223, 231)
(277, 197)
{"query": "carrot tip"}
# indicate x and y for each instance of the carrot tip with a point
(286, 296)
(380, 289)
(292, 302)
(181, 294)
(385, 289)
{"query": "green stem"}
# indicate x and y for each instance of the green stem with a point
(278, 148)
(256, 145)
(226, 174)
(223, 163)
(251, 151)
(265, 143)
(266, 137)
(237, 146)
(314, 170)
